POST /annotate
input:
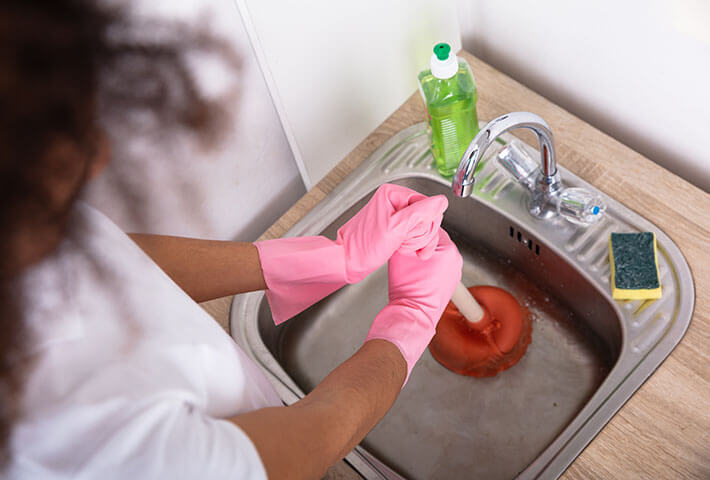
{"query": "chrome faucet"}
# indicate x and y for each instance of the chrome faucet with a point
(547, 185)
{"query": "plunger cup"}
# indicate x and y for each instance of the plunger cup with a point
(485, 341)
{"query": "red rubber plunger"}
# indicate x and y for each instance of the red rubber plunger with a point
(484, 348)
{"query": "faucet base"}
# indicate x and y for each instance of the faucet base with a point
(543, 201)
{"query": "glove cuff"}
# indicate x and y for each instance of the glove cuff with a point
(299, 272)
(407, 327)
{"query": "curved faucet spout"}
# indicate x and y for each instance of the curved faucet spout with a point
(547, 183)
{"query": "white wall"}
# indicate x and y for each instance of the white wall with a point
(233, 192)
(638, 70)
(339, 69)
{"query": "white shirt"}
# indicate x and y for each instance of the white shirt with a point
(132, 379)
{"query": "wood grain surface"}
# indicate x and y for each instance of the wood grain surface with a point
(663, 431)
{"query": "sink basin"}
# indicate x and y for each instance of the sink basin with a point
(588, 355)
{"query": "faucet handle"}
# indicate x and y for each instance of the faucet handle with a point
(517, 161)
(580, 206)
(575, 204)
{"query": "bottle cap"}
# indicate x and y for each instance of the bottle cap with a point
(442, 50)
(443, 63)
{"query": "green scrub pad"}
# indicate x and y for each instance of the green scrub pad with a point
(634, 266)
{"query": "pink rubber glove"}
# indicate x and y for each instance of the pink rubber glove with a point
(419, 291)
(395, 218)
(301, 271)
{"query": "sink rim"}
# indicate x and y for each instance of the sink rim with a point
(626, 376)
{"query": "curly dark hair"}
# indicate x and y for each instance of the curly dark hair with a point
(66, 66)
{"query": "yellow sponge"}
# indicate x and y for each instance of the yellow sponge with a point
(634, 266)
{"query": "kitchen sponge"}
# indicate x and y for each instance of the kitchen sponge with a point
(634, 266)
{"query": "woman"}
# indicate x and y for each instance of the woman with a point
(108, 367)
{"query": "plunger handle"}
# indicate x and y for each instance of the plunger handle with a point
(467, 305)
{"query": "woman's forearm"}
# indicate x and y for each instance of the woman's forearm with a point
(303, 440)
(205, 269)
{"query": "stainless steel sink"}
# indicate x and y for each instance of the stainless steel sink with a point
(589, 353)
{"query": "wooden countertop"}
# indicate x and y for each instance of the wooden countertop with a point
(663, 431)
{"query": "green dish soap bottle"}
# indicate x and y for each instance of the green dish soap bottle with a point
(450, 96)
